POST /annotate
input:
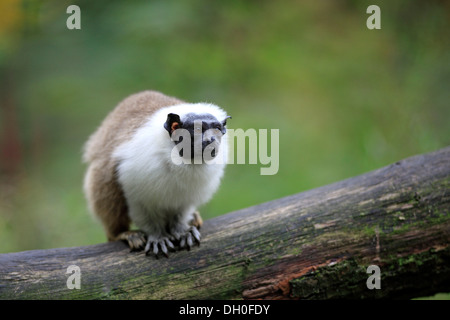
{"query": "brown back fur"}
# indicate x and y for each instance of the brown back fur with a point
(103, 192)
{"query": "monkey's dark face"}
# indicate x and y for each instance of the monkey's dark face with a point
(204, 130)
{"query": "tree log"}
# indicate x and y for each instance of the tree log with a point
(316, 244)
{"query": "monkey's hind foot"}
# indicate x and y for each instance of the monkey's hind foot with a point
(197, 220)
(188, 239)
(157, 245)
(135, 239)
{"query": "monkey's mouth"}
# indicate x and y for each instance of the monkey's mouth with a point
(210, 150)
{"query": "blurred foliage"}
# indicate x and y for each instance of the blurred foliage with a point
(346, 99)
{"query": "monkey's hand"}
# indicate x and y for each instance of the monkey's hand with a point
(192, 235)
(187, 236)
(183, 235)
(155, 244)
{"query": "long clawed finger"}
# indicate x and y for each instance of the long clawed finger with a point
(191, 237)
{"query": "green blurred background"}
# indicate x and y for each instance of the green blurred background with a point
(346, 99)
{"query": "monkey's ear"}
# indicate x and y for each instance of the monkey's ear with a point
(224, 122)
(172, 123)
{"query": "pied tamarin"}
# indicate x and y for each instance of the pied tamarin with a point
(141, 171)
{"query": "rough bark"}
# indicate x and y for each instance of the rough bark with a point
(314, 245)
